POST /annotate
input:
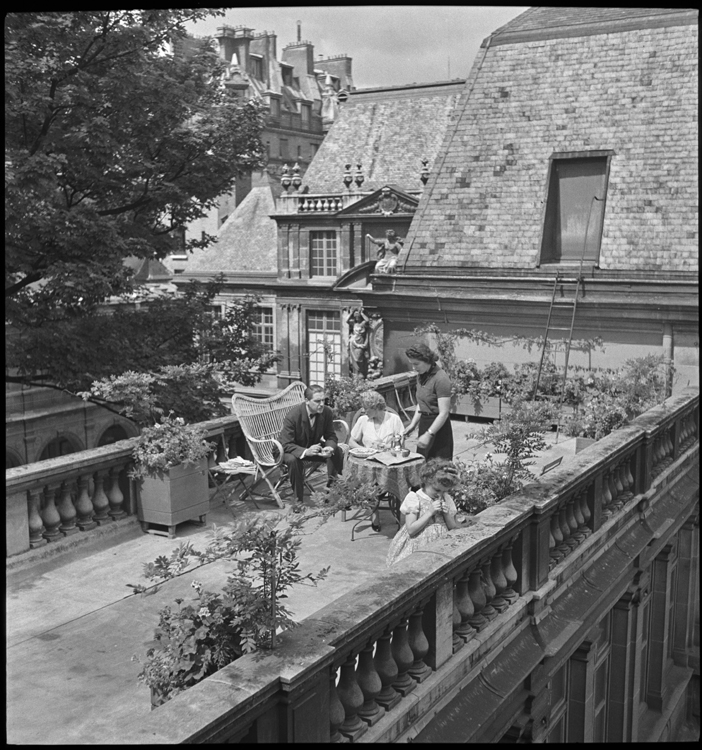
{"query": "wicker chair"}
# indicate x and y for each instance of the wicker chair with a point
(261, 421)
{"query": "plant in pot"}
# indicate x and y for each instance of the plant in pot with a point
(199, 638)
(169, 454)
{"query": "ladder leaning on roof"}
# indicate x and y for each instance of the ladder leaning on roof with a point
(565, 302)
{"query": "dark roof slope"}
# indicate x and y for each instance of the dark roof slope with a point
(387, 131)
(633, 93)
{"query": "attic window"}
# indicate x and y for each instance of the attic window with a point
(256, 66)
(287, 76)
(575, 206)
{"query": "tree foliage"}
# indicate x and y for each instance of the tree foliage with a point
(113, 145)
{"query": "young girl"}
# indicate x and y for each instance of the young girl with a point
(429, 512)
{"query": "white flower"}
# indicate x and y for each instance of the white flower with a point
(204, 612)
(196, 585)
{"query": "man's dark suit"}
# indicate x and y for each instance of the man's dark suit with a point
(297, 434)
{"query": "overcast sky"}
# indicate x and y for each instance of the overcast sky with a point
(390, 44)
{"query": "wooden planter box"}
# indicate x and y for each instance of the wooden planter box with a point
(181, 495)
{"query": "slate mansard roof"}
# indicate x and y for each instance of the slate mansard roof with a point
(388, 131)
(568, 80)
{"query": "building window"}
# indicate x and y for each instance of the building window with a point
(602, 663)
(263, 331)
(283, 148)
(322, 253)
(313, 149)
(256, 66)
(59, 446)
(179, 236)
(559, 706)
(323, 345)
(575, 206)
(305, 110)
(275, 109)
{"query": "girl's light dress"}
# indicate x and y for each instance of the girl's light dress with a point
(418, 503)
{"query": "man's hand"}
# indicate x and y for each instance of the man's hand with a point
(313, 450)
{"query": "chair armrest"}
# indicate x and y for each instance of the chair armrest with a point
(262, 450)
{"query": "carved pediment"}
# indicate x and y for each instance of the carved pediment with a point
(384, 202)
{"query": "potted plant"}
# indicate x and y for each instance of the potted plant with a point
(170, 456)
(170, 462)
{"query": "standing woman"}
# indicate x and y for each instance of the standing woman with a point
(434, 401)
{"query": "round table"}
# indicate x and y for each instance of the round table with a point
(397, 480)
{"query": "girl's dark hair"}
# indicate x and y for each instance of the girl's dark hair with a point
(439, 471)
(423, 353)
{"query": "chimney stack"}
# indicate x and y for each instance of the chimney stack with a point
(299, 31)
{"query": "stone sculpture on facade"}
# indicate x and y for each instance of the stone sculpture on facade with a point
(359, 342)
(388, 251)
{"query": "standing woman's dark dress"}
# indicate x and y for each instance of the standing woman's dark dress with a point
(433, 385)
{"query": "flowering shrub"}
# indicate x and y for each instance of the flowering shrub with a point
(198, 639)
(481, 484)
(166, 444)
(194, 641)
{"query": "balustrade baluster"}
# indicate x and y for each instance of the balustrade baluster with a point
(578, 517)
(464, 606)
(369, 681)
(420, 647)
(499, 582)
(477, 596)
(627, 494)
(336, 710)
(572, 524)
(101, 504)
(49, 515)
(84, 508)
(551, 545)
(613, 489)
(66, 510)
(511, 575)
(318, 205)
(555, 553)
(565, 529)
(404, 658)
(456, 641)
(36, 527)
(656, 457)
(115, 496)
(606, 497)
(488, 610)
(386, 668)
(631, 484)
(617, 474)
(351, 699)
(587, 515)
(669, 447)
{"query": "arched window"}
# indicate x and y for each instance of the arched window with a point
(60, 446)
(112, 435)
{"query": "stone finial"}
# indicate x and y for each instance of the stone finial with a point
(296, 179)
(348, 177)
(285, 178)
(359, 175)
(424, 174)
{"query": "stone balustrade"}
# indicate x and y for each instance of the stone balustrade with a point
(49, 500)
(477, 613)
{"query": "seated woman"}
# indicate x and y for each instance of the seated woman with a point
(374, 428)
(429, 512)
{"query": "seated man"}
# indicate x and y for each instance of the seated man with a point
(308, 433)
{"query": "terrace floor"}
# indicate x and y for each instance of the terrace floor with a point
(73, 624)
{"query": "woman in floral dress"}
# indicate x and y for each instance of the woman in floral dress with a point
(429, 512)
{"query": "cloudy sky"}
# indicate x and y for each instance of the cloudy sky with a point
(390, 44)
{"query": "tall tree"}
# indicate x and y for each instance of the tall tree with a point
(113, 145)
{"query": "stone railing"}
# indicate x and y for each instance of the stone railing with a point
(296, 203)
(49, 500)
(482, 608)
